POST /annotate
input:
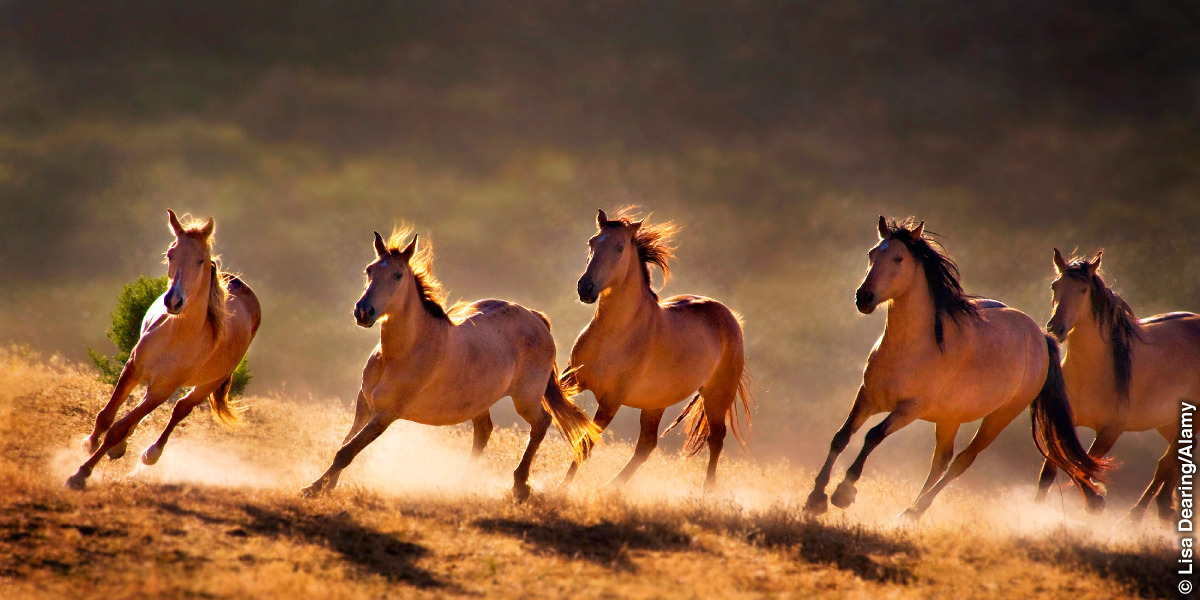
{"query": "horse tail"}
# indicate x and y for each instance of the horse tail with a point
(697, 420)
(223, 409)
(579, 430)
(1054, 428)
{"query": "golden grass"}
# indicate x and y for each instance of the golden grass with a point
(219, 517)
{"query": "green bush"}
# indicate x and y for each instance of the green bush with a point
(132, 304)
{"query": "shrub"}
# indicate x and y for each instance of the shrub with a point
(132, 304)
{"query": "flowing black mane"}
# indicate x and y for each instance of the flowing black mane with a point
(949, 299)
(1115, 318)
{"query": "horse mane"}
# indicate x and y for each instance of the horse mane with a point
(429, 288)
(1115, 317)
(653, 243)
(949, 299)
(218, 288)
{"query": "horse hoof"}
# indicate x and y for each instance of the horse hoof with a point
(818, 503)
(910, 515)
(312, 491)
(118, 451)
(151, 455)
(76, 482)
(521, 492)
(1168, 516)
(1039, 497)
(90, 444)
(844, 495)
(1095, 504)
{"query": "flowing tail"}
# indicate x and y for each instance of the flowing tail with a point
(1054, 428)
(580, 431)
(222, 408)
(697, 419)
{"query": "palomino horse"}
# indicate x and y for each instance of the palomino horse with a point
(193, 335)
(442, 367)
(647, 353)
(1123, 374)
(949, 358)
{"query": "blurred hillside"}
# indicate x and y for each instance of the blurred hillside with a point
(774, 132)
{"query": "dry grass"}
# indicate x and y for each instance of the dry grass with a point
(219, 517)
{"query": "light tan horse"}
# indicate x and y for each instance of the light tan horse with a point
(949, 358)
(442, 367)
(1123, 374)
(195, 334)
(647, 353)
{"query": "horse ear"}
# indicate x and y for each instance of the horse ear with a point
(1060, 264)
(1094, 264)
(920, 229)
(209, 226)
(380, 247)
(408, 252)
(883, 227)
(636, 225)
(601, 218)
(176, 227)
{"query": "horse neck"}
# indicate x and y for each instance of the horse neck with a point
(1088, 341)
(911, 316)
(626, 302)
(401, 334)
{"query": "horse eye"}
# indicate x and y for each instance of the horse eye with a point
(620, 249)
(398, 275)
(899, 259)
(199, 262)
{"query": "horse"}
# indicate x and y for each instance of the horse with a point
(949, 358)
(1122, 373)
(195, 334)
(439, 366)
(648, 353)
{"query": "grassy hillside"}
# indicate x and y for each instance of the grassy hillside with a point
(219, 517)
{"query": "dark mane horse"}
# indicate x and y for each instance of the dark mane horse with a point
(941, 273)
(1116, 320)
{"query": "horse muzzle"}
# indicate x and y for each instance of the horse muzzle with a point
(365, 314)
(1056, 330)
(865, 301)
(173, 302)
(587, 290)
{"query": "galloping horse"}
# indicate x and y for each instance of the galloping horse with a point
(648, 353)
(949, 358)
(1123, 374)
(195, 334)
(442, 367)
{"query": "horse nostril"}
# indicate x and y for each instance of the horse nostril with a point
(863, 297)
(371, 312)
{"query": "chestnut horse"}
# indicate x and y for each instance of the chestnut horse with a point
(949, 358)
(1123, 374)
(648, 353)
(195, 334)
(442, 367)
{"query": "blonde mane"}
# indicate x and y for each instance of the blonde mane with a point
(429, 288)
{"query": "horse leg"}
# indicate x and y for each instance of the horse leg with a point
(818, 502)
(1045, 480)
(604, 415)
(1106, 437)
(943, 451)
(125, 384)
(539, 422)
(117, 434)
(844, 495)
(1158, 484)
(647, 442)
(184, 406)
(989, 429)
(345, 455)
(362, 413)
(1169, 463)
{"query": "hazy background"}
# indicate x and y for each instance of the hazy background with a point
(774, 132)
